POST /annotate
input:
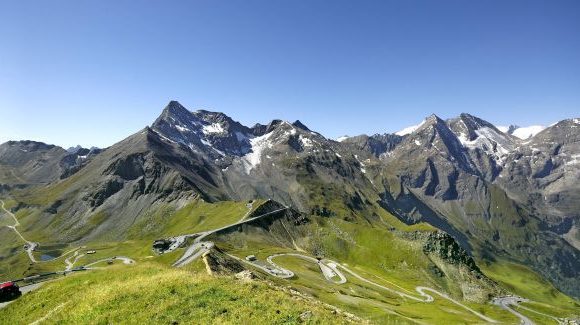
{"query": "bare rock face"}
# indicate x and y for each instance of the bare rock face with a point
(452, 262)
(448, 249)
(218, 263)
(496, 195)
(245, 275)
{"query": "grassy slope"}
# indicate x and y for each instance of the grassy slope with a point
(196, 216)
(161, 295)
(370, 250)
(164, 221)
(376, 253)
(524, 282)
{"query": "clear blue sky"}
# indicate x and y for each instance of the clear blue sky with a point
(93, 72)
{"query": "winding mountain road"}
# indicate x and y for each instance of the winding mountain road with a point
(421, 290)
(195, 250)
(30, 246)
(331, 270)
(506, 302)
(69, 264)
(126, 260)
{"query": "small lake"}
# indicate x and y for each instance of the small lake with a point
(46, 257)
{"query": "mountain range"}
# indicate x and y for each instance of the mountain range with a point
(503, 195)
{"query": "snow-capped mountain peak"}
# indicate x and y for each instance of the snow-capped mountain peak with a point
(528, 132)
(523, 133)
(410, 129)
(475, 133)
(213, 133)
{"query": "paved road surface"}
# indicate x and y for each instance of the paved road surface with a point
(193, 253)
(506, 302)
(24, 289)
(421, 290)
(330, 270)
(126, 260)
(270, 267)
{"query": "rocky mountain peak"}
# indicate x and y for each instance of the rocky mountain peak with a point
(512, 128)
(212, 133)
(300, 125)
(261, 129)
(215, 117)
(174, 108)
(474, 122)
(431, 120)
(468, 127)
(28, 145)
(565, 131)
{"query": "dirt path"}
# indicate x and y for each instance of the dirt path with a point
(30, 246)
(69, 264)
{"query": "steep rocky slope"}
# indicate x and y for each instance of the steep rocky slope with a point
(499, 196)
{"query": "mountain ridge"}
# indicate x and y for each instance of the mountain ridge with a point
(454, 174)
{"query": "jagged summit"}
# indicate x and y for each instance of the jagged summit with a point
(174, 108)
(474, 122)
(301, 125)
(429, 120)
(463, 175)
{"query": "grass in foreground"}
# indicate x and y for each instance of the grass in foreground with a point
(152, 293)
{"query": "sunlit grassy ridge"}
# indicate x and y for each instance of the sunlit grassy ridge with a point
(524, 282)
(196, 216)
(164, 221)
(151, 293)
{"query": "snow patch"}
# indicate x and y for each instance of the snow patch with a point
(213, 128)
(344, 137)
(575, 160)
(306, 142)
(528, 132)
(410, 129)
(165, 138)
(490, 141)
(205, 142)
(503, 129)
(523, 133)
(417, 142)
(253, 159)
(182, 129)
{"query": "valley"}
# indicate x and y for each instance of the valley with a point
(453, 221)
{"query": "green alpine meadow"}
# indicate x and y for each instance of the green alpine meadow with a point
(290, 162)
(198, 218)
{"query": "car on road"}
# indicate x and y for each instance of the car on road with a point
(9, 291)
(91, 252)
(250, 258)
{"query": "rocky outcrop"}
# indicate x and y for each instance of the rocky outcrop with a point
(218, 263)
(444, 246)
